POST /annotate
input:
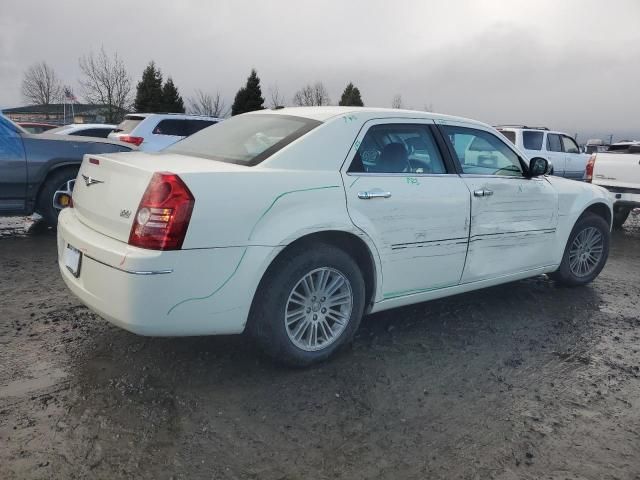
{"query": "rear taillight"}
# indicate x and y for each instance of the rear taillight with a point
(129, 139)
(163, 216)
(589, 168)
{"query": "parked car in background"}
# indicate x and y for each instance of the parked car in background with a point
(560, 150)
(618, 170)
(152, 132)
(37, 171)
(293, 223)
(99, 130)
(34, 127)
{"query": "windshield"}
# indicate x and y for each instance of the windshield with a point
(128, 124)
(246, 139)
(11, 124)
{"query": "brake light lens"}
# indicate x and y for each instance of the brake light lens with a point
(589, 169)
(163, 215)
(129, 139)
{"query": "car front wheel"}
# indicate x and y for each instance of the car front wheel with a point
(309, 305)
(586, 251)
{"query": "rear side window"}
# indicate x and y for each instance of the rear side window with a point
(129, 123)
(510, 135)
(554, 143)
(398, 148)
(245, 139)
(532, 140)
(173, 127)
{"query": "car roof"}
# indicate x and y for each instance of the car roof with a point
(322, 114)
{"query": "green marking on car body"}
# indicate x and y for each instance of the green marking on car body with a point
(282, 195)
(216, 290)
(413, 181)
(402, 293)
(354, 182)
(246, 248)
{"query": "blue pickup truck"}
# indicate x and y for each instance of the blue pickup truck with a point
(37, 171)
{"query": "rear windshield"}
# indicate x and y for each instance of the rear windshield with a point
(510, 135)
(532, 140)
(246, 139)
(128, 124)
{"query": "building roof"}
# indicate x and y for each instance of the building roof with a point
(53, 108)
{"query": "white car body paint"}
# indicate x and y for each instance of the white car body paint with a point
(418, 239)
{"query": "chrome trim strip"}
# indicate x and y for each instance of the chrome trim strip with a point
(132, 272)
(479, 175)
(407, 174)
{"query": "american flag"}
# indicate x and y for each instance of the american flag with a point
(68, 94)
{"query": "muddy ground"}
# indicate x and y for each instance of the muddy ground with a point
(524, 380)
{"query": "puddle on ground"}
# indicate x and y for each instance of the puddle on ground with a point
(41, 375)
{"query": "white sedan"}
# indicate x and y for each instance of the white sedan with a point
(292, 224)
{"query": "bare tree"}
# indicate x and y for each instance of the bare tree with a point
(40, 85)
(275, 98)
(107, 83)
(312, 95)
(397, 101)
(205, 104)
(428, 107)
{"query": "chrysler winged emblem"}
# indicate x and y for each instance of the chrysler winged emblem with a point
(90, 181)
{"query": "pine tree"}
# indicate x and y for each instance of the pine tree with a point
(351, 97)
(149, 90)
(171, 98)
(249, 97)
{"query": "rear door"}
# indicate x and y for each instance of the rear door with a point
(403, 195)
(513, 218)
(13, 170)
(556, 155)
(575, 162)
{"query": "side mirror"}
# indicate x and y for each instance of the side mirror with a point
(538, 166)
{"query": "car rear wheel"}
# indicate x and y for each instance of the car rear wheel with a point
(620, 215)
(309, 305)
(56, 194)
(586, 251)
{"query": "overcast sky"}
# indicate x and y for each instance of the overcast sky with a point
(570, 65)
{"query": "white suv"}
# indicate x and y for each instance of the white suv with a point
(152, 132)
(560, 150)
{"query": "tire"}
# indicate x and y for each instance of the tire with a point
(276, 303)
(620, 216)
(54, 182)
(569, 273)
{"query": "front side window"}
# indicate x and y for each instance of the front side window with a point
(398, 148)
(482, 153)
(532, 140)
(245, 139)
(554, 143)
(569, 144)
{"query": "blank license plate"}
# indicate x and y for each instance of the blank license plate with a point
(72, 260)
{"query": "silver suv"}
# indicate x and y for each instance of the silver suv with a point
(560, 150)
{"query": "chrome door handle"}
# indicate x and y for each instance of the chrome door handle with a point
(483, 192)
(373, 194)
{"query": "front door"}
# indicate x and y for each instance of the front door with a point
(404, 196)
(513, 218)
(13, 170)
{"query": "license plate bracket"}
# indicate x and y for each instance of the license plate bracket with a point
(73, 260)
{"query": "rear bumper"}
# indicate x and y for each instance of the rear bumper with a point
(148, 292)
(625, 197)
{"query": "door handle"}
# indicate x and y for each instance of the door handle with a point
(483, 192)
(373, 194)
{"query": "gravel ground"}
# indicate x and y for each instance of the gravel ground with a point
(525, 380)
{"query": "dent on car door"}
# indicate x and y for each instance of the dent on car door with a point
(513, 218)
(401, 193)
(13, 170)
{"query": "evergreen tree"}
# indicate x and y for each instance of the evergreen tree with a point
(149, 91)
(249, 97)
(351, 97)
(171, 98)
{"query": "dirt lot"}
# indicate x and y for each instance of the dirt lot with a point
(524, 380)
